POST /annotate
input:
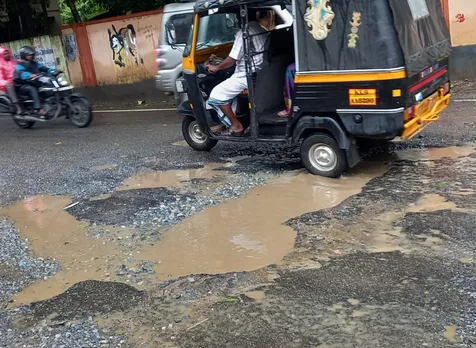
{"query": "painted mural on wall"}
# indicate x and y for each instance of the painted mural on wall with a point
(71, 47)
(129, 56)
(462, 23)
(123, 44)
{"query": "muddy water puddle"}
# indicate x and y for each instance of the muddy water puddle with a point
(241, 234)
(387, 237)
(54, 233)
(172, 178)
(435, 154)
(104, 167)
(247, 233)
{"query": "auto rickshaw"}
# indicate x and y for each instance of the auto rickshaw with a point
(365, 71)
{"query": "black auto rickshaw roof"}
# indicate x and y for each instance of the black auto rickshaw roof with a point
(361, 35)
(204, 5)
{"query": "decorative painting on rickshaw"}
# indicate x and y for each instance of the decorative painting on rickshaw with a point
(353, 36)
(319, 17)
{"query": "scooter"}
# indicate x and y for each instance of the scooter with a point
(58, 99)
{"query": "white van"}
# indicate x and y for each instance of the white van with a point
(169, 60)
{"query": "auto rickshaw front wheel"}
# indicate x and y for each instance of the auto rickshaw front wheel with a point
(321, 155)
(194, 136)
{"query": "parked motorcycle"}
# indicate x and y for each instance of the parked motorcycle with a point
(58, 99)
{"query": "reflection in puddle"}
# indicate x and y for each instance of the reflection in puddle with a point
(390, 238)
(171, 178)
(54, 233)
(181, 143)
(256, 295)
(242, 234)
(450, 333)
(247, 233)
(430, 203)
(101, 197)
(105, 167)
(434, 154)
(353, 301)
(359, 313)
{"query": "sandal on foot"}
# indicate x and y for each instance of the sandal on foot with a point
(283, 114)
(232, 133)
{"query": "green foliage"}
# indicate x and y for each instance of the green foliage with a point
(87, 9)
(121, 7)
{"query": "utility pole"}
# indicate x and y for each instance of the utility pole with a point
(74, 10)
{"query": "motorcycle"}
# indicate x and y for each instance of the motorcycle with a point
(58, 99)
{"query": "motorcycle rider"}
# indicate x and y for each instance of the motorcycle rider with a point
(7, 70)
(26, 72)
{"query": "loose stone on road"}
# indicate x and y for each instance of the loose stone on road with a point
(125, 237)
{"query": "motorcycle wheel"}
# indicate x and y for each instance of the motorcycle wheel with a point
(24, 124)
(84, 115)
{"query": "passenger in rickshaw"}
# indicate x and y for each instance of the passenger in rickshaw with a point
(288, 90)
(223, 96)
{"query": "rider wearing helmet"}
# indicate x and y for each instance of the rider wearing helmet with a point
(26, 71)
(7, 70)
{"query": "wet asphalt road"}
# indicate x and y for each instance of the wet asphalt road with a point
(366, 273)
(57, 157)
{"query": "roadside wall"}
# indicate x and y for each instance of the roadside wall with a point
(72, 56)
(119, 50)
(462, 21)
(49, 51)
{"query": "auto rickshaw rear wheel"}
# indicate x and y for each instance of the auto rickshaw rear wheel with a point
(321, 155)
(194, 136)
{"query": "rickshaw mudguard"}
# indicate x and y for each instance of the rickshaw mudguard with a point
(195, 105)
(328, 124)
(185, 109)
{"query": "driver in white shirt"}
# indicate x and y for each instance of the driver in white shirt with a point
(222, 97)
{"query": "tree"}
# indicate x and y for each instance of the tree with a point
(86, 9)
(122, 7)
(25, 13)
(74, 11)
(21, 20)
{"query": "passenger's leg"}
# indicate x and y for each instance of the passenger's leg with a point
(288, 90)
(13, 96)
(221, 99)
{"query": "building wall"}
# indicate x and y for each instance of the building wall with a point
(49, 51)
(118, 50)
(72, 56)
(123, 50)
(462, 19)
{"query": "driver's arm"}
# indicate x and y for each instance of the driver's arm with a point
(235, 54)
(227, 63)
(46, 70)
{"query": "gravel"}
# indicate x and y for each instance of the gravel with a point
(126, 142)
(78, 334)
(18, 267)
(151, 211)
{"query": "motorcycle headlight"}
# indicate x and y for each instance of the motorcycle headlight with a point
(62, 81)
